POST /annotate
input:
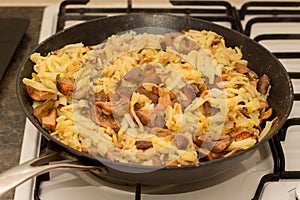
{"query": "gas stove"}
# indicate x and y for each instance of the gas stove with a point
(272, 172)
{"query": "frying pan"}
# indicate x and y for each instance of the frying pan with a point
(95, 31)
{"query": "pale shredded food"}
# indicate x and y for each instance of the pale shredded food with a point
(179, 126)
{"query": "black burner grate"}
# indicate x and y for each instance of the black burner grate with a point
(217, 11)
(279, 171)
(285, 12)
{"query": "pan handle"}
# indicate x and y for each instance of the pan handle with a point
(19, 174)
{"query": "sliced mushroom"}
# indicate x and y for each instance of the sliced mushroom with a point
(217, 79)
(241, 135)
(199, 140)
(104, 120)
(38, 95)
(204, 154)
(216, 155)
(165, 101)
(241, 68)
(181, 142)
(157, 117)
(64, 85)
(152, 96)
(160, 132)
(216, 145)
(216, 40)
(190, 94)
(143, 144)
(186, 45)
(100, 96)
(263, 104)
(144, 116)
(266, 115)
(198, 88)
(167, 41)
(44, 109)
(120, 107)
(152, 78)
(209, 110)
(49, 121)
(149, 69)
(107, 106)
(263, 84)
(136, 75)
(221, 145)
(124, 92)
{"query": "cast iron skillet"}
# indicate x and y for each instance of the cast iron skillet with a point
(93, 32)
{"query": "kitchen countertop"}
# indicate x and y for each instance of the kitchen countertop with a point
(12, 117)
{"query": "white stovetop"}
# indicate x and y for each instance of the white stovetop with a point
(70, 186)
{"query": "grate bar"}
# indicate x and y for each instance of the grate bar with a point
(266, 178)
(268, 20)
(245, 8)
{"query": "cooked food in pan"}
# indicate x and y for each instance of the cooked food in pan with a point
(152, 99)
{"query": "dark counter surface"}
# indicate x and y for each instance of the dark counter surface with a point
(12, 117)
